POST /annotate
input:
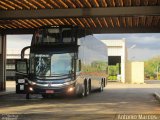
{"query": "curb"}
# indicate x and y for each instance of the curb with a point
(157, 96)
(6, 93)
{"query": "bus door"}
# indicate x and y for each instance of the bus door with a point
(21, 68)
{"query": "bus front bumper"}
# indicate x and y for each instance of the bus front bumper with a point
(65, 90)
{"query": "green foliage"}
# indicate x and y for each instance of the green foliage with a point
(113, 70)
(95, 66)
(100, 65)
(151, 78)
(150, 68)
(112, 78)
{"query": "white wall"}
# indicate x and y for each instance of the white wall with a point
(135, 72)
(118, 48)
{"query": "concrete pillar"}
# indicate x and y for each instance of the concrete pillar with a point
(2, 62)
(123, 60)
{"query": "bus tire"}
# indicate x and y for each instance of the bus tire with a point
(90, 86)
(45, 96)
(86, 86)
(82, 93)
(101, 86)
(104, 82)
(27, 96)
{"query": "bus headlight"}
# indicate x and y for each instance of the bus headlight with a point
(30, 89)
(70, 89)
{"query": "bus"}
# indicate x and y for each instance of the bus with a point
(63, 60)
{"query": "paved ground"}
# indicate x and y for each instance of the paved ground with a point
(114, 100)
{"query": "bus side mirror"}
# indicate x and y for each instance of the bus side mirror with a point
(21, 66)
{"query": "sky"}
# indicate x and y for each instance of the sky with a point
(18, 41)
(140, 47)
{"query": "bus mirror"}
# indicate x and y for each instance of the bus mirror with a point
(21, 66)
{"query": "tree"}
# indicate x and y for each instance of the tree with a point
(150, 68)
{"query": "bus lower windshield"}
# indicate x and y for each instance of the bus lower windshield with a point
(53, 64)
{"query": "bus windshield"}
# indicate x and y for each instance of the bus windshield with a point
(61, 63)
(53, 64)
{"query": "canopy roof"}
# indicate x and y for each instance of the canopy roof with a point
(102, 16)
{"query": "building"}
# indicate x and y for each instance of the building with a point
(129, 71)
(12, 55)
(117, 53)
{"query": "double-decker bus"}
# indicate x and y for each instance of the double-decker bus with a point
(63, 60)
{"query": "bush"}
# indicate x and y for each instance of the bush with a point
(158, 77)
(152, 78)
(112, 78)
(150, 68)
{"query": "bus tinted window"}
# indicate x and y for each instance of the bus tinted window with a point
(54, 35)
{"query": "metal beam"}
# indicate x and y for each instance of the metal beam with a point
(95, 30)
(79, 12)
(126, 30)
(17, 31)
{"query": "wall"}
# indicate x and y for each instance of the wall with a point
(128, 72)
(135, 72)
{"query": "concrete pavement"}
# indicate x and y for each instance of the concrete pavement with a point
(116, 99)
(10, 88)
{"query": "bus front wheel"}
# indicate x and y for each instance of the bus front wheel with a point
(82, 93)
(27, 96)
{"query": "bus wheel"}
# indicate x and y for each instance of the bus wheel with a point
(27, 96)
(45, 96)
(82, 93)
(86, 85)
(89, 85)
(101, 87)
(104, 82)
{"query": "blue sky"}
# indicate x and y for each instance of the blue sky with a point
(145, 45)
